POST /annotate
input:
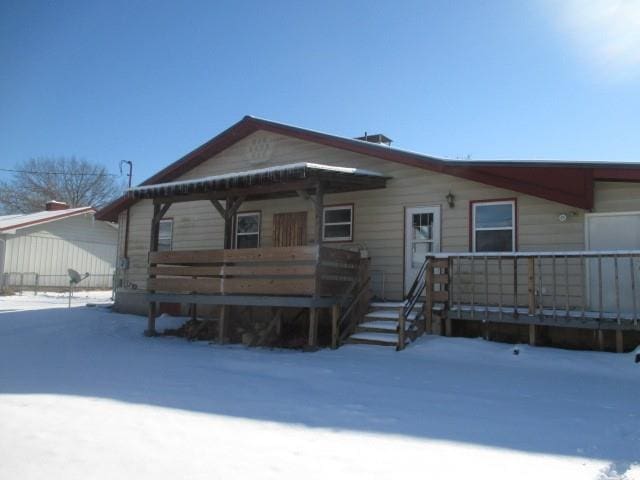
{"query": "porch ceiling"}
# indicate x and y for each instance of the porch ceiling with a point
(273, 182)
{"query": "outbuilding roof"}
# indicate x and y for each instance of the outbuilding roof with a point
(11, 223)
(570, 183)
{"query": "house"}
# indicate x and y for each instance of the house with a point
(275, 217)
(37, 249)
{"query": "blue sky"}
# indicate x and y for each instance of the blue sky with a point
(149, 81)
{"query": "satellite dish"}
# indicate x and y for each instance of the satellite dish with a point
(74, 277)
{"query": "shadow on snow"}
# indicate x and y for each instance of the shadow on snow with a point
(541, 401)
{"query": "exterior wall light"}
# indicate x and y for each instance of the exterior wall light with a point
(451, 199)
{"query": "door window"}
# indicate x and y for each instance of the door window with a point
(422, 239)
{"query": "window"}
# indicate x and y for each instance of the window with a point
(248, 230)
(337, 223)
(165, 235)
(494, 226)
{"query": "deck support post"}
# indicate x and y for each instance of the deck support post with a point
(532, 334)
(401, 331)
(224, 313)
(335, 316)
(313, 327)
(600, 340)
(486, 333)
(151, 321)
(448, 327)
(619, 341)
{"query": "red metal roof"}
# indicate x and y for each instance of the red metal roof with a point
(570, 183)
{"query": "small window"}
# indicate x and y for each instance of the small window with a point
(165, 235)
(338, 224)
(494, 226)
(248, 230)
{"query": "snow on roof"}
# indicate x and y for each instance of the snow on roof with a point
(260, 172)
(14, 222)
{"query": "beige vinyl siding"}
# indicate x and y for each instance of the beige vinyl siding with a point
(616, 197)
(378, 214)
(50, 249)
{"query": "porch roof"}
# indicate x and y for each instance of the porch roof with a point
(272, 182)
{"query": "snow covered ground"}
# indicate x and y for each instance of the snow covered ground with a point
(84, 395)
(29, 301)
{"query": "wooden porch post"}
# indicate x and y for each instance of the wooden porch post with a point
(531, 285)
(158, 213)
(428, 299)
(227, 213)
(318, 202)
(228, 224)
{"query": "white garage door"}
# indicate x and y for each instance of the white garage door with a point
(615, 231)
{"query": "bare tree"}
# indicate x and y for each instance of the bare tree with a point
(74, 181)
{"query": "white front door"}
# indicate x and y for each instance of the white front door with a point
(421, 237)
(615, 231)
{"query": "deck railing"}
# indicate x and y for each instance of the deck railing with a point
(283, 271)
(592, 288)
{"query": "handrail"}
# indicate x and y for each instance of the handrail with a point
(416, 288)
(420, 274)
(543, 254)
(412, 299)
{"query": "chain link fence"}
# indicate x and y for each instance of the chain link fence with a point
(31, 281)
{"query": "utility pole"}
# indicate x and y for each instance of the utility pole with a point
(130, 163)
(125, 253)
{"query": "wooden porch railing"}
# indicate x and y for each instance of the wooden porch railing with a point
(581, 289)
(284, 271)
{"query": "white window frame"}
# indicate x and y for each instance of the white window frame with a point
(237, 234)
(325, 224)
(166, 220)
(481, 229)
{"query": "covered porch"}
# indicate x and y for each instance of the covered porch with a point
(313, 276)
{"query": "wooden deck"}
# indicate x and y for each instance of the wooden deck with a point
(310, 277)
(581, 289)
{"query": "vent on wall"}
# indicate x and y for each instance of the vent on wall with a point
(260, 151)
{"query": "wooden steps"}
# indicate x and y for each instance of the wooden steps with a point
(380, 325)
(374, 338)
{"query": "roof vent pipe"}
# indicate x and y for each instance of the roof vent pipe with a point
(378, 138)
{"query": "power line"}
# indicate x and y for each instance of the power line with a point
(60, 173)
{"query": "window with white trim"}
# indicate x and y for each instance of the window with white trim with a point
(494, 226)
(165, 235)
(247, 230)
(337, 224)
